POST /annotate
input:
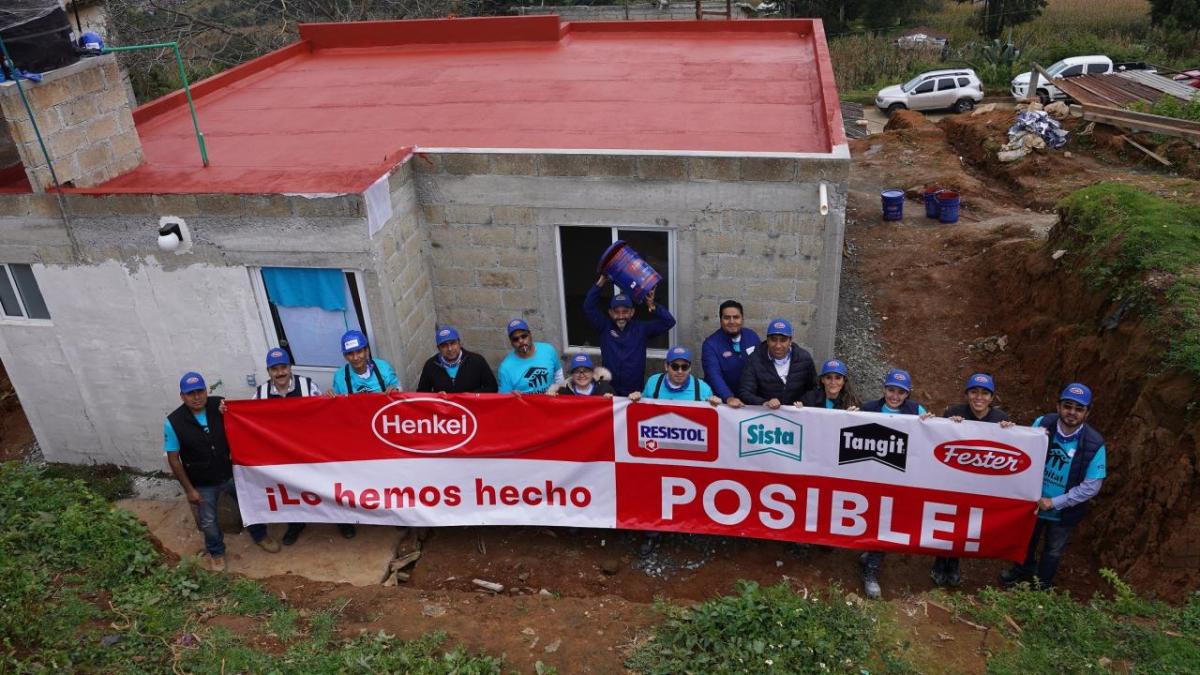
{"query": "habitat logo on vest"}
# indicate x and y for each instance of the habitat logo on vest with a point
(873, 443)
(426, 426)
(672, 432)
(770, 434)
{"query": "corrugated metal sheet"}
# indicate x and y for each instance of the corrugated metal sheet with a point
(851, 113)
(1107, 90)
(1163, 84)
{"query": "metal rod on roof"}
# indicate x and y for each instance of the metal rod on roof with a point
(187, 87)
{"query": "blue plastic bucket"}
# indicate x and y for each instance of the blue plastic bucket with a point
(893, 203)
(932, 208)
(948, 203)
(629, 270)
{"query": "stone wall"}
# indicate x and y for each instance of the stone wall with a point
(83, 115)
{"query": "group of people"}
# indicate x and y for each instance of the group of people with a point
(739, 369)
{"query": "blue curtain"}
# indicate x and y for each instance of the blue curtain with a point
(306, 287)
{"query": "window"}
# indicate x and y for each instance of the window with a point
(305, 310)
(1097, 68)
(579, 249)
(924, 88)
(1073, 71)
(963, 82)
(946, 84)
(20, 297)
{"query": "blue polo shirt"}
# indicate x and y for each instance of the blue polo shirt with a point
(368, 383)
(685, 393)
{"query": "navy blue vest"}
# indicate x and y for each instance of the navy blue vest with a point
(1090, 442)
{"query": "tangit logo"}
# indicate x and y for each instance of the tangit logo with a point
(537, 377)
(873, 442)
(672, 432)
(770, 434)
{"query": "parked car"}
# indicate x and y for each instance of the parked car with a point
(1074, 66)
(958, 89)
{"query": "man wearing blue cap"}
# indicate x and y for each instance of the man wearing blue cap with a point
(531, 367)
(362, 374)
(198, 454)
(724, 353)
(1075, 471)
(780, 374)
(677, 383)
(622, 339)
(585, 380)
(282, 383)
(454, 370)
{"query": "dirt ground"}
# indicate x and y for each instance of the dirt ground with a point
(581, 599)
(15, 434)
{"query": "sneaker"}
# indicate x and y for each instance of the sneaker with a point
(293, 533)
(348, 531)
(939, 578)
(1014, 575)
(871, 586)
(217, 563)
(268, 544)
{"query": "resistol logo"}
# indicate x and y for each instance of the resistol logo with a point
(770, 434)
(873, 442)
(674, 433)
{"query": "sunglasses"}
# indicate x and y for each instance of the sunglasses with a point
(681, 367)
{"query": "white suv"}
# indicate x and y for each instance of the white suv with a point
(1097, 64)
(958, 90)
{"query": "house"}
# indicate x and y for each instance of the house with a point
(460, 171)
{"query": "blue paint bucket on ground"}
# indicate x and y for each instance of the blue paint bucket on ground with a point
(948, 203)
(893, 203)
(932, 209)
(628, 270)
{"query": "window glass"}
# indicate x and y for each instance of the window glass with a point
(963, 82)
(946, 84)
(310, 309)
(1072, 71)
(31, 295)
(8, 295)
(924, 87)
(1097, 68)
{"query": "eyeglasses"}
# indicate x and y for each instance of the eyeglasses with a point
(681, 367)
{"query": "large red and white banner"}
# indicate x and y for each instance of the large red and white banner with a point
(852, 479)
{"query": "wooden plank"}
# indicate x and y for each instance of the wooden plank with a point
(1138, 125)
(1143, 117)
(1161, 160)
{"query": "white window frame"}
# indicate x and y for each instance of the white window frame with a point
(672, 264)
(24, 319)
(320, 374)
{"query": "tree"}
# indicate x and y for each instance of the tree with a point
(996, 15)
(1180, 15)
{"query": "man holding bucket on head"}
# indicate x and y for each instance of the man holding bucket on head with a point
(622, 338)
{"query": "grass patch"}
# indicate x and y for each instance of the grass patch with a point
(83, 589)
(1143, 249)
(107, 480)
(769, 629)
(1058, 634)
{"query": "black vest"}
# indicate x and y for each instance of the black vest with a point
(205, 456)
(906, 408)
(1090, 442)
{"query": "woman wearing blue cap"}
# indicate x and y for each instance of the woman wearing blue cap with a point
(585, 380)
(833, 390)
(677, 383)
(981, 394)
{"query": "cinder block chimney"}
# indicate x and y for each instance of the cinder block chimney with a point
(85, 119)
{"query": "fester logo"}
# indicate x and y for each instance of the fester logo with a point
(985, 457)
(873, 442)
(427, 426)
(770, 434)
(672, 432)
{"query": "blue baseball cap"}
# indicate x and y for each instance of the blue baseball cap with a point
(779, 327)
(516, 325)
(1078, 393)
(353, 340)
(581, 361)
(278, 357)
(898, 378)
(679, 353)
(191, 381)
(446, 334)
(834, 366)
(620, 300)
(981, 380)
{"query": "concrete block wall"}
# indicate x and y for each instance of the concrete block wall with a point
(745, 228)
(85, 120)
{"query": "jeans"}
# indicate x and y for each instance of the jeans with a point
(206, 517)
(1056, 535)
(871, 562)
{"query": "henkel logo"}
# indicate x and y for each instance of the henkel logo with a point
(427, 426)
(770, 434)
(875, 443)
(985, 457)
(672, 432)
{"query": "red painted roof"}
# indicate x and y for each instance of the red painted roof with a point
(334, 112)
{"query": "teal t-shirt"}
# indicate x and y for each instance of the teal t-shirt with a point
(1058, 465)
(171, 439)
(368, 383)
(686, 393)
(533, 375)
(892, 411)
